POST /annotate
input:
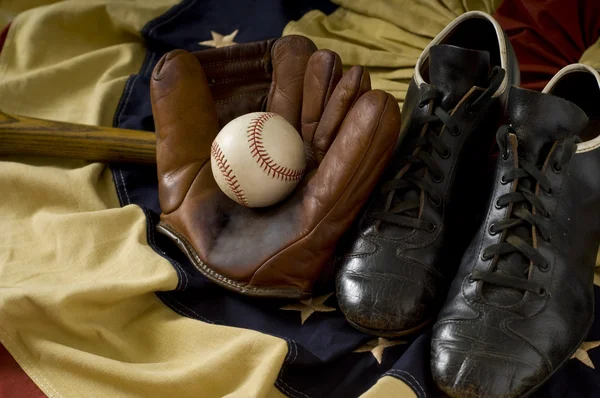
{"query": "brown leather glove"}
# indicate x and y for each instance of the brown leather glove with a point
(278, 251)
(240, 77)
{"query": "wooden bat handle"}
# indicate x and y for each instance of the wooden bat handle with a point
(21, 135)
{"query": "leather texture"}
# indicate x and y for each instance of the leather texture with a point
(496, 341)
(392, 279)
(240, 77)
(282, 250)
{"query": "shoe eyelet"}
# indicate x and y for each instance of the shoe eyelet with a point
(506, 154)
(436, 178)
(445, 154)
(436, 201)
(484, 257)
(542, 292)
(455, 131)
(497, 204)
(557, 168)
(503, 180)
(492, 225)
(431, 227)
(548, 192)
(422, 105)
(547, 240)
(545, 267)
(471, 280)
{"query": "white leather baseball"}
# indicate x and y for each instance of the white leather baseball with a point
(258, 159)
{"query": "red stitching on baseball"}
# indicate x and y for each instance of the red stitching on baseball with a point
(257, 148)
(227, 173)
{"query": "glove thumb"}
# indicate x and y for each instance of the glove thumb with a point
(186, 123)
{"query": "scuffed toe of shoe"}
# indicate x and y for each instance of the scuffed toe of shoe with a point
(393, 303)
(469, 361)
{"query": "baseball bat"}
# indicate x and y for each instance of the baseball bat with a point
(21, 135)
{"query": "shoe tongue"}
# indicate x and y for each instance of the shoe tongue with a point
(455, 70)
(538, 120)
(541, 119)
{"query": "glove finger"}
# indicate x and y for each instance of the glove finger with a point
(290, 56)
(186, 123)
(351, 87)
(355, 161)
(323, 73)
(239, 76)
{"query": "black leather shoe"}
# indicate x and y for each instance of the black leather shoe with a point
(398, 261)
(522, 301)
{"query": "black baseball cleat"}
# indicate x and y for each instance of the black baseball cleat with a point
(398, 261)
(522, 301)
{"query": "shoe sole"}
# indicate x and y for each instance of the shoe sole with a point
(389, 333)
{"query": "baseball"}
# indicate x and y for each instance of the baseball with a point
(258, 159)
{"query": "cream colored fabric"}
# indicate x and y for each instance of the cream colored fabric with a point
(77, 276)
(390, 387)
(70, 60)
(385, 36)
(591, 56)
(77, 303)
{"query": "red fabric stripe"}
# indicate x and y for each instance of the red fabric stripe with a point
(548, 35)
(3, 35)
(14, 382)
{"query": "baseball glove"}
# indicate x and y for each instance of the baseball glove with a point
(348, 129)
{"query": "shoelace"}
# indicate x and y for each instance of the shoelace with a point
(405, 213)
(521, 215)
